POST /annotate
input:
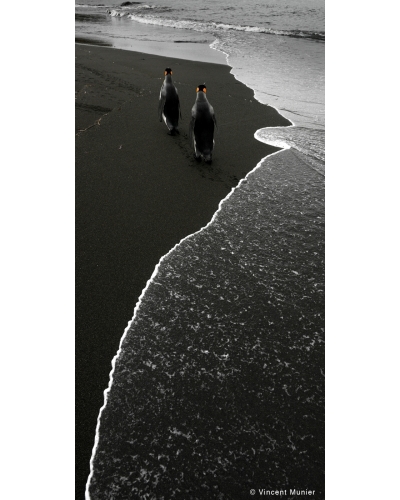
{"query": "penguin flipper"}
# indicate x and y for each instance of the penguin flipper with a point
(161, 104)
(179, 106)
(191, 129)
(215, 121)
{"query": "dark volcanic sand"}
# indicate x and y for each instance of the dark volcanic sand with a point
(139, 192)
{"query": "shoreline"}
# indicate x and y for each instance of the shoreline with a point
(139, 303)
(113, 263)
(199, 51)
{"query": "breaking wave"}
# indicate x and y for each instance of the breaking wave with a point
(135, 15)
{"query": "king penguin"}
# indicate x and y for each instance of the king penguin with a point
(168, 104)
(201, 129)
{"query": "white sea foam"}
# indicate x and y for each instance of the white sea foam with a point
(169, 23)
(272, 140)
(117, 13)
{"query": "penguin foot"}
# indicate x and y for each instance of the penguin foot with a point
(197, 158)
(171, 132)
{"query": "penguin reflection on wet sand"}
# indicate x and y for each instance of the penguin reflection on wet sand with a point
(201, 129)
(168, 104)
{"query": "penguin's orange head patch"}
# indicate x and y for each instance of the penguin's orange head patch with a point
(201, 88)
(168, 71)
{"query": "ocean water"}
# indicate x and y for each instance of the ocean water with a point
(241, 301)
